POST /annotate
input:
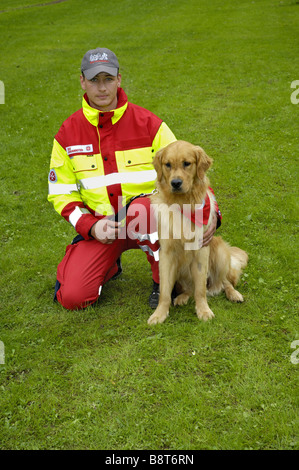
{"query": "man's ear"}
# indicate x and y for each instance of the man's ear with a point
(82, 81)
(157, 162)
(203, 162)
(119, 80)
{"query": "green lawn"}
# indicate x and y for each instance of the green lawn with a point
(219, 73)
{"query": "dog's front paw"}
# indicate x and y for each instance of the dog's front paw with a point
(157, 317)
(204, 313)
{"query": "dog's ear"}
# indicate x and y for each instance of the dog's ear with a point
(157, 162)
(203, 162)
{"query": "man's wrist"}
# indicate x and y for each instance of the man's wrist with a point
(91, 232)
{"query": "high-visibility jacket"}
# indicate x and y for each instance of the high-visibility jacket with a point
(102, 158)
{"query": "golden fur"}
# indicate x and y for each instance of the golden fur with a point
(181, 179)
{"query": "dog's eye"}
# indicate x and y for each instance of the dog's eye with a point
(168, 165)
(186, 164)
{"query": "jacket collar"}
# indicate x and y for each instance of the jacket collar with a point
(92, 114)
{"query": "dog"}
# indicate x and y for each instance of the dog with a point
(181, 180)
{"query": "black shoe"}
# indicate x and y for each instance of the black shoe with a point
(120, 270)
(174, 294)
(154, 297)
(57, 287)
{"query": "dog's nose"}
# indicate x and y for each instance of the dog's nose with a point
(176, 184)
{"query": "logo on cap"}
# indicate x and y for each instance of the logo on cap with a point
(98, 57)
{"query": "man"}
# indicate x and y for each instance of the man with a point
(101, 162)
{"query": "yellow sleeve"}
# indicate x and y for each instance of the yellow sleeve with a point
(62, 181)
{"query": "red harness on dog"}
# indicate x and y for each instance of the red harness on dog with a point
(201, 215)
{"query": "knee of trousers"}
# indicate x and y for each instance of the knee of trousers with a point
(76, 298)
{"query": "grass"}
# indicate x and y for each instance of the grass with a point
(219, 73)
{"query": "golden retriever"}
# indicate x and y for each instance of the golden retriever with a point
(181, 180)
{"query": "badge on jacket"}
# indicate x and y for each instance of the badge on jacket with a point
(52, 176)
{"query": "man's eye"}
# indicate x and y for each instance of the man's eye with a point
(186, 164)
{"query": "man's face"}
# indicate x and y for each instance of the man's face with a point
(102, 90)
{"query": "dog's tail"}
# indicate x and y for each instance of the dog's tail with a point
(238, 261)
(225, 268)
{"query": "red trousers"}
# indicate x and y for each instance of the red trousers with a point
(89, 264)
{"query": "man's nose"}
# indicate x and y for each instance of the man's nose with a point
(101, 85)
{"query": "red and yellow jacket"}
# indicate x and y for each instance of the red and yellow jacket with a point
(101, 158)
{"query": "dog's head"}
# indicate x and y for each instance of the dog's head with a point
(180, 166)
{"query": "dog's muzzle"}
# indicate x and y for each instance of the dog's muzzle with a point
(176, 184)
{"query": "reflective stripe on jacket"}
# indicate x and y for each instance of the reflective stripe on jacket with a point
(102, 158)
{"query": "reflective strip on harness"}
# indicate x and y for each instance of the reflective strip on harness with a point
(151, 237)
(155, 254)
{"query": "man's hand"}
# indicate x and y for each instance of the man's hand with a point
(105, 230)
(208, 235)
